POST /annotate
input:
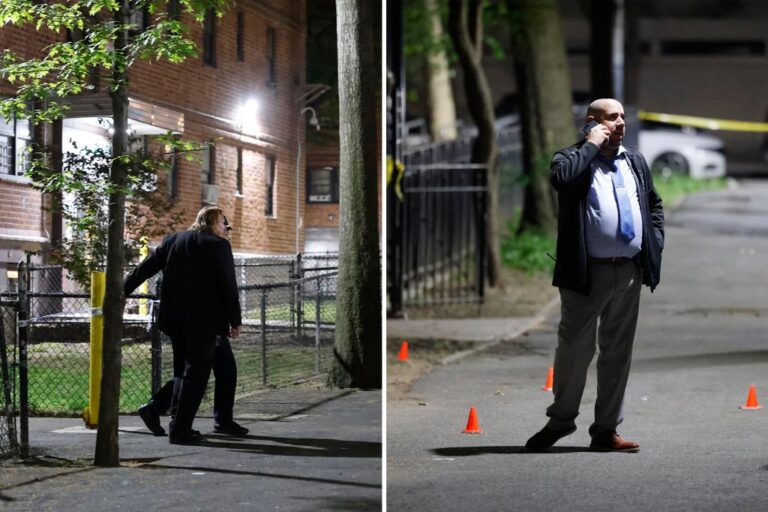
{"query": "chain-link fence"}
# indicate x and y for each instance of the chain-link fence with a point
(289, 319)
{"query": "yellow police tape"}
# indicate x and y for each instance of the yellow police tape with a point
(392, 167)
(704, 122)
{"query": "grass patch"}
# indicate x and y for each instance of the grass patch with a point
(58, 373)
(528, 250)
(282, 312)
(675, 187)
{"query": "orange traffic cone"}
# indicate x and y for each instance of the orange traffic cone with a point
(550, 380)
(403, 355)
(473, 427)
(751, 399)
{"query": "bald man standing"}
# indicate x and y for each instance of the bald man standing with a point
(609, 240)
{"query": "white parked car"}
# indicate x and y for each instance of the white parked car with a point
(682, 150)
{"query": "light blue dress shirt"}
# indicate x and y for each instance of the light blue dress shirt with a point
(603, 240)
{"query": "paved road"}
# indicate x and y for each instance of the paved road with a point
(702, 340)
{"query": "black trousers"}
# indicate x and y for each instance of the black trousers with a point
(224, 369)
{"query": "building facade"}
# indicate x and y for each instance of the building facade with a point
(245, 93)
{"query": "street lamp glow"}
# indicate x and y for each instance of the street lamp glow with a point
(247, 117)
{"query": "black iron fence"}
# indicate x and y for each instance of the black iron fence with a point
(437, 236)
(289, 318)
(437, 214)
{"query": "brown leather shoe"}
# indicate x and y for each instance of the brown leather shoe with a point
(610, 441)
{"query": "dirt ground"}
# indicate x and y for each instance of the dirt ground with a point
(520, 295)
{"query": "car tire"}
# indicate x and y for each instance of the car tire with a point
(669, 164)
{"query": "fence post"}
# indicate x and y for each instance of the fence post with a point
(292, 292)
(98, 285)
(144, 287)
(23, 373)
(299, 296)
(264, 337)
(157, 350)
(243, 283)
(317, 328)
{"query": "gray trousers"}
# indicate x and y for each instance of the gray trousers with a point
(610, 312)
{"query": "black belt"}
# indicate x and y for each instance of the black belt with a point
(619, 260)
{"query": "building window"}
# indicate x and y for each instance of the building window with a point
(208, 164)
(139, 18)
(240, 36)
(174, 10)
(270, 185)
(209, 38)
(323, 185)
(15, 138)
(271, 54)
(239, 175)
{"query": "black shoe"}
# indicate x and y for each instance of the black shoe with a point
(545, 438)
(151, 419)
(230, 429)
(191, 437)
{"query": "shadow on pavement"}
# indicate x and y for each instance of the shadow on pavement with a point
(301, 447)
(465, 451)
(262, 474)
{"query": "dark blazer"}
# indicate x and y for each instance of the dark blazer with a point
(199, 290)
(570, 175)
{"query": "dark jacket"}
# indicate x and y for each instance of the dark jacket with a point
(570, 175)
(199, 290)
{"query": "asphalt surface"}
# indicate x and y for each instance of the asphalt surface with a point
(702, 340)
(307, 450)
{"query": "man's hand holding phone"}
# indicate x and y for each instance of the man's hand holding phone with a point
(596, 133)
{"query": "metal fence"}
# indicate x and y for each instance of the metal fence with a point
(440, 235)
(436, 225)
(289, 318)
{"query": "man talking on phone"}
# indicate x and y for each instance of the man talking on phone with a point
(610, 237)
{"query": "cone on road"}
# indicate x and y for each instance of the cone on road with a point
(403, 354)
(550, 380)
(473, 427)
(751, 399)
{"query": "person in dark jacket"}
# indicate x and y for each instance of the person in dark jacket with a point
(609, 240)
(199, 310)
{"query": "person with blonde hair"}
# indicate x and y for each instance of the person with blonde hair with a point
(200, 311)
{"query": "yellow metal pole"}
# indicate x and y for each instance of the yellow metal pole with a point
(91, 413)
(144, 288)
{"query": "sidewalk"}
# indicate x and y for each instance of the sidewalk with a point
(308, 449)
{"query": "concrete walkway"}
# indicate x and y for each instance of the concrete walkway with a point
(308, 449)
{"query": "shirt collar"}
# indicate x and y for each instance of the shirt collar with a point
(619, 155)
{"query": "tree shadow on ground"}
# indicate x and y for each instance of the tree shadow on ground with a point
(297, 446)
(466, 451)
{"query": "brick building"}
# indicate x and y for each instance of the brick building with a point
(246, 91)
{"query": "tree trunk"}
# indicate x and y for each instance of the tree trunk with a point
(602, 15)
(107, 449)
(544, 86)
(465, 25)
(442, 110)
(357, 348)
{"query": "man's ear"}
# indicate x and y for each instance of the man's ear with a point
(590, 118)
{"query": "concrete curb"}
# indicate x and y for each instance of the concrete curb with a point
(539, 317)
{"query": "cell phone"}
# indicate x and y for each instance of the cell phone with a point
(588, 127)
